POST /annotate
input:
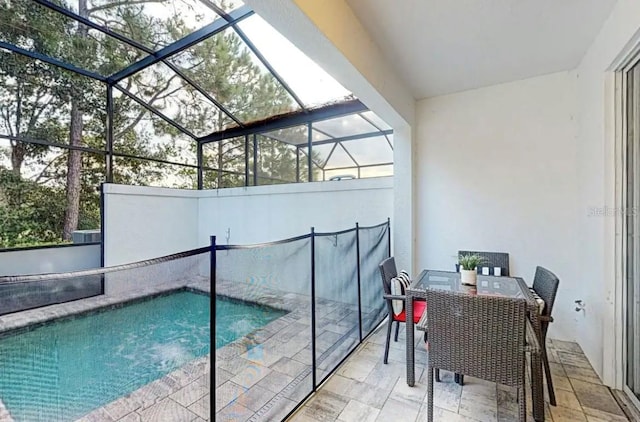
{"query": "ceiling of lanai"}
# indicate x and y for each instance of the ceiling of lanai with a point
(444, 46)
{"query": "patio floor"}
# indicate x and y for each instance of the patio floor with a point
(365, 389)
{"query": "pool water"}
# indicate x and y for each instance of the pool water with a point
(63, 370)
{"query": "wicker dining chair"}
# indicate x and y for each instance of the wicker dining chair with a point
(480, 336)
(545, 284)
(388, 271)
(491, 259)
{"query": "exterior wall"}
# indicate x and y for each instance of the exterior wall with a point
(601, 324)
(498, 172)
(49, 260)
(144, 222)
(267, 213)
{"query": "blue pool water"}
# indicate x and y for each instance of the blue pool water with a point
(63, 370)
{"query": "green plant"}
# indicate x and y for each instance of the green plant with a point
(470, 262)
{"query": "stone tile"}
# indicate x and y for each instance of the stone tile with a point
(567, 399)
(561, 383)
(565, 346)
(251, 375)
(596, 397)
(392, 408)
(356, 411)
(325, 406)
(479, 410)
(98, 415)
(594, 415)
(416, 393)
(446, 395)
(582, 374)
(166, 410)
(255, 398)
(357, 369)
(289, 367)
(202, 407)
(442, 415)
(275, 381)
(122, 406)
(222, 376)
(573, 359)
(234, 413)
(563, 414)
(275, 411)
(189, 394)
(227, 393)
(131, 417)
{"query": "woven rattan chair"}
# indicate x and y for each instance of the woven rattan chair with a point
(388, 270)
(481, 336)
(491, 259)
(545, 284)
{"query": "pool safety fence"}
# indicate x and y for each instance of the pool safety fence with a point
(328, 283)
(24, 292)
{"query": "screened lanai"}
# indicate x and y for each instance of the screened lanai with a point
(195, 94)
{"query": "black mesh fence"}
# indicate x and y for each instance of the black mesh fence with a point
(144, 333)
(287, 314)
(314, 298)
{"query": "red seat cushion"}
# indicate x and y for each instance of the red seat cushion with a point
(418, 309)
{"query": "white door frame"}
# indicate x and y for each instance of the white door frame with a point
(614, 351)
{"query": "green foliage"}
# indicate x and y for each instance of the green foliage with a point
(37, 99)
(29, 213)
(470, 261)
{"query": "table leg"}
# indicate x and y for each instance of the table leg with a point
(410, 346)
(537, 388)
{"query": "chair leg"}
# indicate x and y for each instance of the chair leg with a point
(430, 392)
(437, 371)
(397, 330)
(459, 379)
(522, 403)
(386, 345)
(547, 375)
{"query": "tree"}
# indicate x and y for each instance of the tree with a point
(40, 101)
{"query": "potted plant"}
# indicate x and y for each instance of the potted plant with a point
(468, 268)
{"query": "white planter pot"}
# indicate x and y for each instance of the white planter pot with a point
(469, 277)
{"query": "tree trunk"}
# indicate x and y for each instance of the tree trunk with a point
(74, 162)
(74, 170)
(17, 157)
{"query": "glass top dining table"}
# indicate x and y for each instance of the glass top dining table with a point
(513, 287)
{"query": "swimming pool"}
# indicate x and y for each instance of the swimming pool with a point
(63, 370)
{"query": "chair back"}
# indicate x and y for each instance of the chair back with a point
(479, 336)
(491, 259)
(388, 270)
(546, 283)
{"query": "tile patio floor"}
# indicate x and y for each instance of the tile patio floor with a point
(365, 389)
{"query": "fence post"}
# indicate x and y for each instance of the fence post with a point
(359, 281)
(313, 307)
(212, 275)
(389, 232)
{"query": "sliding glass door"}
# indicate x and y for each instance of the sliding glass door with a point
(632, 211)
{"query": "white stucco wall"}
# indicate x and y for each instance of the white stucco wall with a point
(268, 213)
(49, 260)
(497, 172)
(145, 222)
